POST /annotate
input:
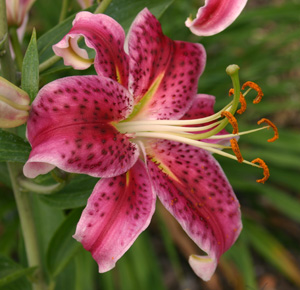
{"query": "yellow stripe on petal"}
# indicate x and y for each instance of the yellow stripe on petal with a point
(143, 104)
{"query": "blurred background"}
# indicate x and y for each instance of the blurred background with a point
(265, 42)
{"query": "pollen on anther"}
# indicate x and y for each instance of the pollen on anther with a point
(232, 120)
(276, 135)
(236, 150)
(255, 87)
(265, 168)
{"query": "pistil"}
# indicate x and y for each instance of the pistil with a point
(193, 132)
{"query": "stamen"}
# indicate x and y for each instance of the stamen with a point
(232, 120)
(264, 166)
(236, 150)
(276, 135)
(242, 102)
(255, 87)
(239, 134)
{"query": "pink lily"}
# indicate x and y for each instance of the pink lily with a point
(14, 105)
(215, 16)
(132, 125)
(16, 10)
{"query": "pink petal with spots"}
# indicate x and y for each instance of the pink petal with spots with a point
(203, 106)
(70, 127)
(192, 186)
(118, 210)
(105, 36)
(163, 73)
(215, 16)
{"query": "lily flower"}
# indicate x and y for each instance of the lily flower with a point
(141, 127)
(14, 105)
(16, 11)
(215, 16)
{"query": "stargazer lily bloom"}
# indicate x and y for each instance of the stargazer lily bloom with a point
(16, 11)
(141, 127)
(14, 105)
(215, 16)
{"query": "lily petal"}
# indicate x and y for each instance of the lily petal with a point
(14, 105)
(203, 106)
(215, 16)
(163, 73)
(70, 127)
(105, 36)
(192, 186)
(118, 210)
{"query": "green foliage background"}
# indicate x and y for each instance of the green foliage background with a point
(265, 42)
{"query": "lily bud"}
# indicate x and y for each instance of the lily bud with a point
(85, 3)
(14, 105)
(16, 11)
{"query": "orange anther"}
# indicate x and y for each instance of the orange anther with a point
(232, 120)
(255, 87)
(276, 135)
(264, 166)
(236, 150)
(242, 101)
(243, 104)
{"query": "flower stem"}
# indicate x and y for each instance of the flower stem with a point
(17, 47)
(8, 70)
(22, 199)
(103, 4)
(48, 63)
(63, 11)
(27, 225)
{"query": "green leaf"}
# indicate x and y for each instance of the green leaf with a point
(4, 175)
(282, 201)
(47, 221)
(85, 270)
(12, 275)
(241, 256)
(272, 250)
(125, 11)
(62, 246)
(30, 68)
(139, 267)
(13, 148)
(74, 195)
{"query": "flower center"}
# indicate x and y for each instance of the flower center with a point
(203, 131)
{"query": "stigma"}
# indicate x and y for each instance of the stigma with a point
(204, 132)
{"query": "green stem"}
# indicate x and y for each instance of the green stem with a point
(8, 70)
(37, 188)
(22, 199)
(63, 11)
(16, 47)
(103, 4)
(27, 225)
(48, 63)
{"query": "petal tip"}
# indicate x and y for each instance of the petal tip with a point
(203, 266)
